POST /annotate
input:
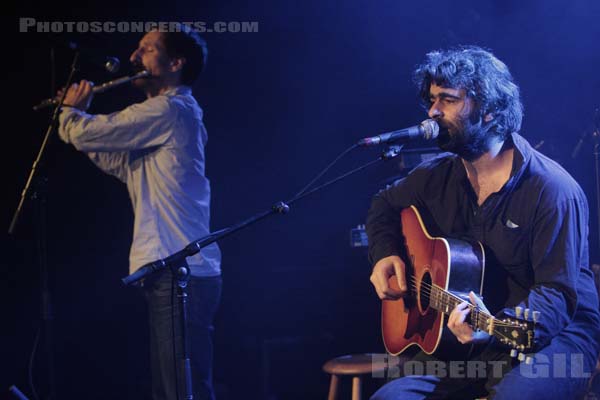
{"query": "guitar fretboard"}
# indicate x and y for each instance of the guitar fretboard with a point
(445, 302)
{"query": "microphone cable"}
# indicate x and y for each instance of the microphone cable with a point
(327, 168)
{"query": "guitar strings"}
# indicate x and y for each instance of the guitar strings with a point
(428, 294)
(497, 322)
(444, 302)
(454, 297)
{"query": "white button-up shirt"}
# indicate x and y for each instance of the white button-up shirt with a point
(157, 149)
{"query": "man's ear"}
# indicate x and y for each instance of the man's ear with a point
(177, 64)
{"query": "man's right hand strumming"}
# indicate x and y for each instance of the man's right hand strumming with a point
(382, 271)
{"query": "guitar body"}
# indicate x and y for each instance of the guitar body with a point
(453, 265)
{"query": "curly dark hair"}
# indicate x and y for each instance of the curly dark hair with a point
(485, 79)
(185, 42)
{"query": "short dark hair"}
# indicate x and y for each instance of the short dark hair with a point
(485, 79)
(186, 43)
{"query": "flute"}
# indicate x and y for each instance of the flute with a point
(96, 89)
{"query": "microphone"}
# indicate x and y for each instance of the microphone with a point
(110, 64)
(144, 271)
(428, 129)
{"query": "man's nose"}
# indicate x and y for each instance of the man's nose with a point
(134, 56)
(434, 111)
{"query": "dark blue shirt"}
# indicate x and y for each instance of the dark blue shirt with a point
(534, 231)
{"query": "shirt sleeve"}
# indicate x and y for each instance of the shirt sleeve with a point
(113, 163)
(138, 126)
(383, 226)
(558, 252)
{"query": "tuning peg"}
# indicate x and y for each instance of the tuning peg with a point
(521, 357)
(513, 353)
(528, 360)
(526, 314)
(536, 316)
(518, 311)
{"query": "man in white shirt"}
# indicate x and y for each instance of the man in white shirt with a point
(157, 149)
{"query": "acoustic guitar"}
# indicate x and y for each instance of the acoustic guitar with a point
(440, 272)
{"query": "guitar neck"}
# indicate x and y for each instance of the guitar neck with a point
(444, 302)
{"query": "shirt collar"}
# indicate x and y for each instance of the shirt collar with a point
(179, 90)
(521, 157)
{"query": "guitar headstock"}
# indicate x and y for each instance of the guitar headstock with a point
(517, 333)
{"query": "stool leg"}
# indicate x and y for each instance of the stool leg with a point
(356, 388)
(333, 387)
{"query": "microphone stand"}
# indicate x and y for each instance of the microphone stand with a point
(42, 149)
(36, 189)
(178, 264)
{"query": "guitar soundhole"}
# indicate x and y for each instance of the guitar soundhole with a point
(425, 291)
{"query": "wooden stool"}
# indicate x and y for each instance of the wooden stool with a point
(356, 366)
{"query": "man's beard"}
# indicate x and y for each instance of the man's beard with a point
(466, 139)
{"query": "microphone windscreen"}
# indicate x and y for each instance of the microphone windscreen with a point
(112, 65)
(431, 129)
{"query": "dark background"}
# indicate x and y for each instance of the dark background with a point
(279, 105)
